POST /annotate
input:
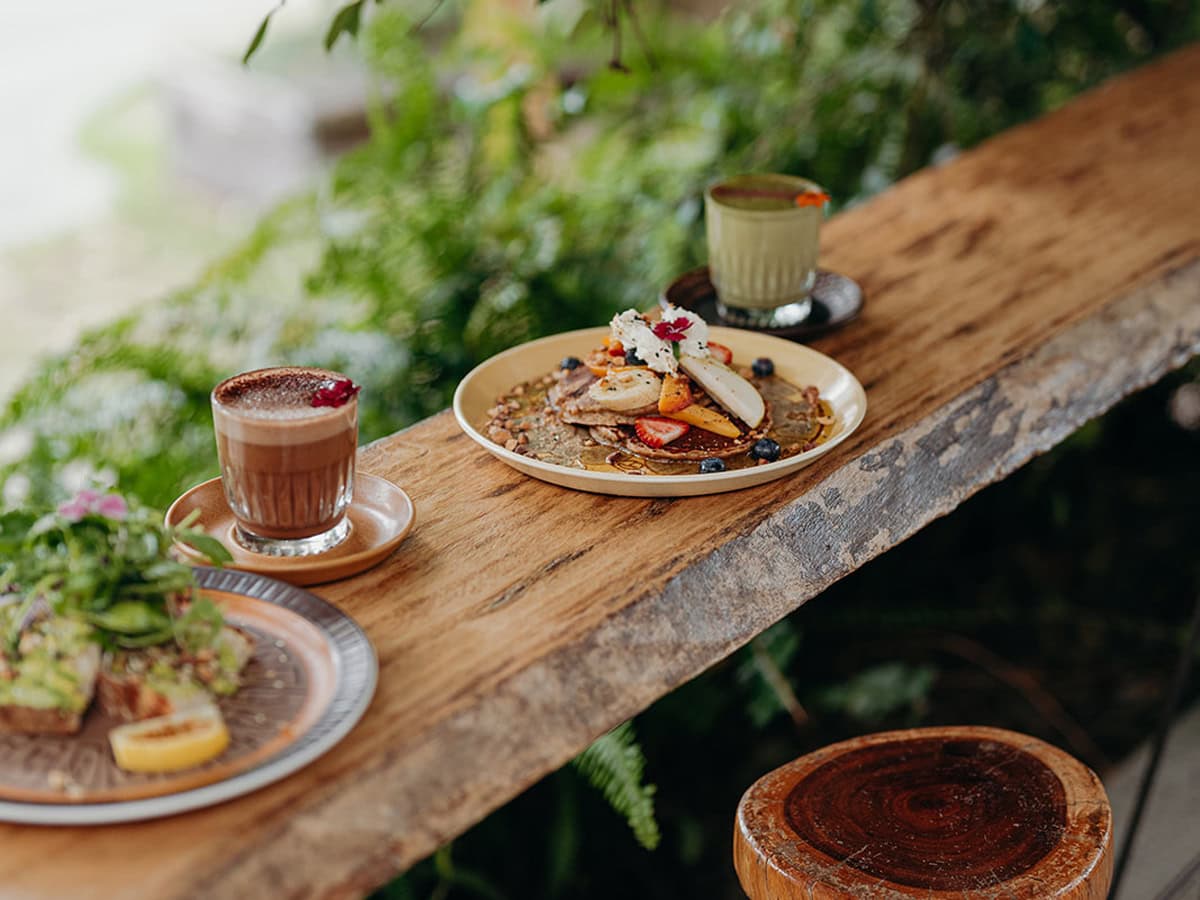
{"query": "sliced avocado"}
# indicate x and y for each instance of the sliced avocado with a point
(50, 673)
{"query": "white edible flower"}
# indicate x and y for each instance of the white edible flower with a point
(634, 333)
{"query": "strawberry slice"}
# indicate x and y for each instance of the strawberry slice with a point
(657, 431)
(720, 352)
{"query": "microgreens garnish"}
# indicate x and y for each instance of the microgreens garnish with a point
(107, 562)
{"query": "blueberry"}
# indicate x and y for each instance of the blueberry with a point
(711, 465)
(763, 367)
(632, 359)
(571, 362)
(765, 449)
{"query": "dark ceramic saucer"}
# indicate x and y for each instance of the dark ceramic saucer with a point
(836, 300)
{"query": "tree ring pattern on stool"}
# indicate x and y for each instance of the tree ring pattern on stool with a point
(937, 814)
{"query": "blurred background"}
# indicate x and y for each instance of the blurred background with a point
(457, 176)
(138, 150)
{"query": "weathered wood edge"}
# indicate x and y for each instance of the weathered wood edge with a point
(425, 792)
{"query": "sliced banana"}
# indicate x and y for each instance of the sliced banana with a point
(629, 390)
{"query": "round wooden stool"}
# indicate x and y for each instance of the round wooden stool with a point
(931, 812)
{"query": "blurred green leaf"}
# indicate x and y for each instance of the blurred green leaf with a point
(880, 691)
(763, 671)
(216, 552)
(14, 529)
(346, 21)
(130, 617)
(454, 876)
(199, 626)
(260, 34)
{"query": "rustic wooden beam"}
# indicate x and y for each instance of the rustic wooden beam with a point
(1012, 295)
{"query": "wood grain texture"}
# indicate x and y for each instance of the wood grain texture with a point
(1012, 295)
(966, 812)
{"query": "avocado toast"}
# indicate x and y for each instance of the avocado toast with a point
(47, 685)
(158, 681)
(92, 604)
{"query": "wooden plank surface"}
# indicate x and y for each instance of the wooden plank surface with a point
(1012, 295)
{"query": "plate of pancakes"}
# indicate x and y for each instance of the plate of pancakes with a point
(529, 383)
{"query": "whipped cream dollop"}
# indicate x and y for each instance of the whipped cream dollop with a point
(679, 326)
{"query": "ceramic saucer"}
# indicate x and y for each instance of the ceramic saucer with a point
(380, 518)
(836, 300)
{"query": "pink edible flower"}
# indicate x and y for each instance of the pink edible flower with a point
(112, 506)
(73, 510)
(675, 330)
(87, 502)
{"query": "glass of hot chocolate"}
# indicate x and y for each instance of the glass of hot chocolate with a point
(286, 438)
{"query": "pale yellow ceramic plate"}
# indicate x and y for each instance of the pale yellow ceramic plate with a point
(798, 364)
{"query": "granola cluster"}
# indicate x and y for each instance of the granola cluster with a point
(504, 427)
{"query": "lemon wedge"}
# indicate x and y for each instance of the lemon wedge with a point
(169, 743)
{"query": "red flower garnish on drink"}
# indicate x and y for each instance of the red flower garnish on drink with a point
(335, 393)
(675, 330)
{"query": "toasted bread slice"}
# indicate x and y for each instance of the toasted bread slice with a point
(29, 720)
(46, 687)
(159, 681)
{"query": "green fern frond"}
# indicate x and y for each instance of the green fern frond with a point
(614, 765)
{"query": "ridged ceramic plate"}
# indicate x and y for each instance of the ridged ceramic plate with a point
(800, 365)
(310, 680)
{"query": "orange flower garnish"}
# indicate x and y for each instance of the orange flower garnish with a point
(812, 198)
